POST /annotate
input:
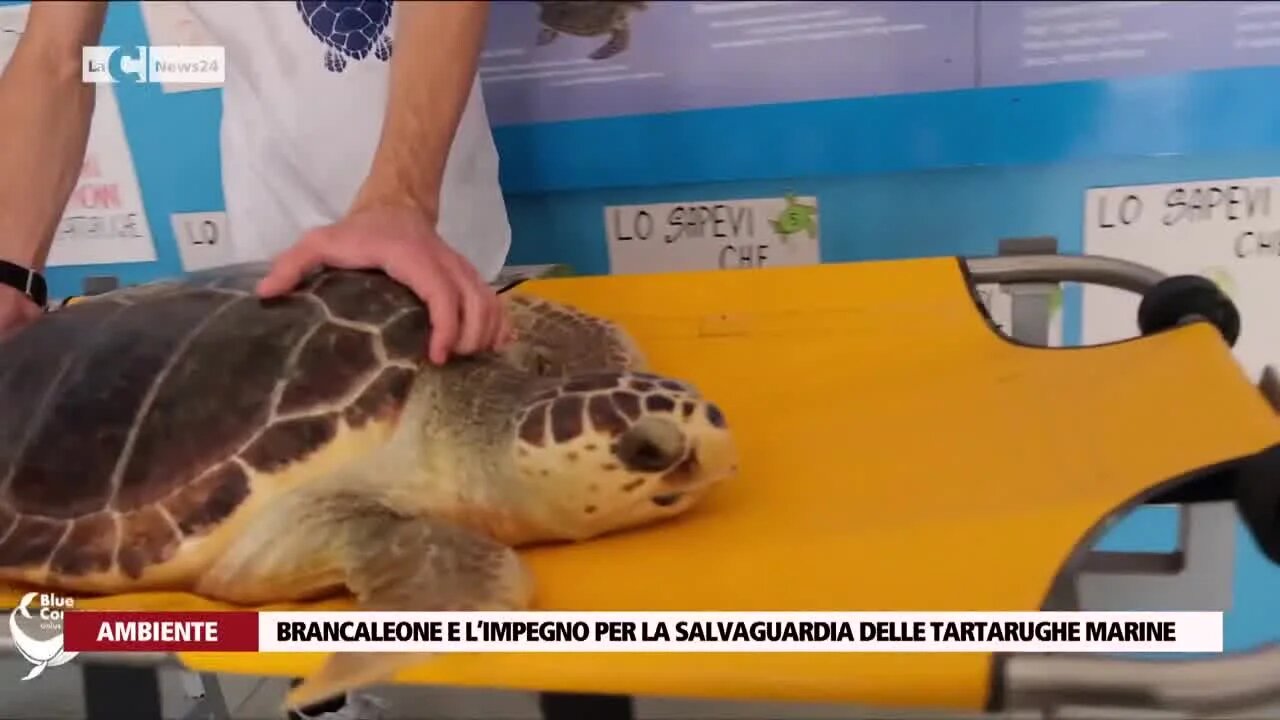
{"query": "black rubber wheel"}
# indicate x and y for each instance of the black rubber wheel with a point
(1258, 501)
(1180, 298)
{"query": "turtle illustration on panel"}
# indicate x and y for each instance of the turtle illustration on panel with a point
(187, 436)
(589, 18)
(350, 28)
(795, 217)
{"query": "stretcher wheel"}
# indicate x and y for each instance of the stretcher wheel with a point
(1258, 501)
(1180, 299)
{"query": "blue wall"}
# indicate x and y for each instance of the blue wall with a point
(897, 176)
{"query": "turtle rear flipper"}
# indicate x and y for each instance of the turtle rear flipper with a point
(619, 40)
(546, 35)
(334, 60)
(382, 50)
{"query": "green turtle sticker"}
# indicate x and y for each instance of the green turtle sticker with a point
(1221, 278)
(795, 217)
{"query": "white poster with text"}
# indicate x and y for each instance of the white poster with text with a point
(1226, 230)
(712, 234)
(104, 221)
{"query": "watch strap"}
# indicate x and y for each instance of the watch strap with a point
(26, 281)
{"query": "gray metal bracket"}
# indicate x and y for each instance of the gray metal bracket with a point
(1030, 303)
(206, 691)
(98, 284)
(1197, 575)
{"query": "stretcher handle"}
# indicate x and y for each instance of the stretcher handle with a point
(1052, 268)
(1236, 682)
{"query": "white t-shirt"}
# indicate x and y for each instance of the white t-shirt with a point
(301, 120)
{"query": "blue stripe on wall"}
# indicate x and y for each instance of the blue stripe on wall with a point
(1226, 111)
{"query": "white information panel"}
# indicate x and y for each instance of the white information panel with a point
(1226, 230)
(712, 234)
(202, 238)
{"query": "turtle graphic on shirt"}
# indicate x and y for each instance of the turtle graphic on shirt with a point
(351, 28)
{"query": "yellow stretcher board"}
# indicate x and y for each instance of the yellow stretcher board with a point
(898, 454)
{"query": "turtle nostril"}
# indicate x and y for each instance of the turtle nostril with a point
(651, 445)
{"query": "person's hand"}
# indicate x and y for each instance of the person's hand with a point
(466, 314)
(16, 311)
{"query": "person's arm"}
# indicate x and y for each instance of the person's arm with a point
(433, 66)
(392, 220)
(44, 126)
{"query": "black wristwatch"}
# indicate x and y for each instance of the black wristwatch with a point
(26, 281)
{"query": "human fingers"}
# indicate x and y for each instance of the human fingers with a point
(479, 322)
(506, 331)
(495, 314)
(502, 331)
(437, 290)
(292, 265)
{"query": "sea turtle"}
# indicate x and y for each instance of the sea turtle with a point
(795, 217)
(351, 28)
(589, 18)
(190, 437)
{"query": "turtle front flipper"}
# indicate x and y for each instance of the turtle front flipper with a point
(390, 560)
(619, 40)
(546, 35)
(400, 563)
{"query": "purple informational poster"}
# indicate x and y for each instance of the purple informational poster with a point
(1042, 42)
(552, 61)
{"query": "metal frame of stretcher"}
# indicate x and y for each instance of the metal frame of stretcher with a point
(124, 685)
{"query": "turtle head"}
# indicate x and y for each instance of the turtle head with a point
(611, 450)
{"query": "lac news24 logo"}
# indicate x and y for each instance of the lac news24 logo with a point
(37, 631)
(201, 64)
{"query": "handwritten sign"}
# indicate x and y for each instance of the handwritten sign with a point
(104, 221)
(712, 234)
(1226, 230)
(203, 241)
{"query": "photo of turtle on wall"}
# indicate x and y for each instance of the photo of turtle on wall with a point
(556, 60)
(589, 18)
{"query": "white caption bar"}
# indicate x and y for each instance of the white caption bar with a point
(1125, 632)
